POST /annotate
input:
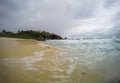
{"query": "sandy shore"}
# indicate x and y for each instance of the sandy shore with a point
(14, 47)
(21, 57)
(31, 61)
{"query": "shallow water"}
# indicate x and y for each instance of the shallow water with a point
(65, 61)
(99, 57)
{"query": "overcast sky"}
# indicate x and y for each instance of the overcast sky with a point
(63, 17)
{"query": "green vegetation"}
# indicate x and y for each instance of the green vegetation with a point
(30, 34)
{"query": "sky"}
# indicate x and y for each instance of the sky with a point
(63, 17)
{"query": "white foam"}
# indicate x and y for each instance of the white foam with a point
(59, 76)
(43, 45)
(64, 73)
(27, 62)
(72, 66)
(31, 59)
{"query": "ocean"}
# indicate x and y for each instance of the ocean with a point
(93, 60)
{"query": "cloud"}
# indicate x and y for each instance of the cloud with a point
(102, 21)
(64, 17)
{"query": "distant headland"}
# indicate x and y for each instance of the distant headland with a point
(30, 34)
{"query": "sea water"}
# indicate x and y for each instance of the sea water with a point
(94, 60)
(99, 56)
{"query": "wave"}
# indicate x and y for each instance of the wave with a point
(117, 40)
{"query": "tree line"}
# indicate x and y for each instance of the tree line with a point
(30, 34)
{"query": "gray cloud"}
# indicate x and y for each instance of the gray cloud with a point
(109, 3)
(59, 16)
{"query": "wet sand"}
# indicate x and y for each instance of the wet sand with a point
(13, 47)
(31, 61)
(18, 59)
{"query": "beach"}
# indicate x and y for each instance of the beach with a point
(59, 61)
(14, 47)
(15, 53)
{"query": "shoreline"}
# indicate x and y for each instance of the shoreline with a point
(16, 47)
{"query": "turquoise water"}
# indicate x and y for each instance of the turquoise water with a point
(99, 55)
